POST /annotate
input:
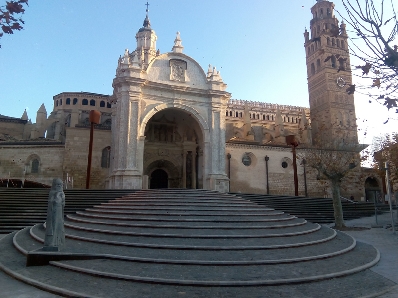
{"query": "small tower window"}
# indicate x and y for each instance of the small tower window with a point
(56, 103)
(312, 48)
(321, 11)
(102, 104)
(68, 101)
(333, 61)
(328, 12)
(312, 68)
(308, 51)
(226, 113)
(318, 65)
(85, 102)
(333, 42)
(338, 42)
(92, 102)
(230, 113)
(108, 105)
(74, 101)
(236, 114)
(263, 117)
(342, 44)
(60, 102)
(328, 41)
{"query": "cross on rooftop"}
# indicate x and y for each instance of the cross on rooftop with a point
(147, 6)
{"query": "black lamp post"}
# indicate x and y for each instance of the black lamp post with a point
(266, 172)
(229, 171)
(304, 162)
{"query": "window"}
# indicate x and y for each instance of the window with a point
(60, 102)
(284, 164)
(102, 104)
(92, 102)
(56, 103)
(333, 42)
(318, 64)
(85, 102)
(342, 44)
(236, 115)
(230, 113)
(106, 157)
(35, 166)
(263, 117)
(333, 61)
(312, 68)
(328, 41)
(226, 113)
(338, 42)
(67, 101)
(108, 105)
(75, 101)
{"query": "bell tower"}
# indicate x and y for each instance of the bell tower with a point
(329, 77)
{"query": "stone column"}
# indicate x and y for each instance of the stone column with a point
(184, 169)
(193, 172)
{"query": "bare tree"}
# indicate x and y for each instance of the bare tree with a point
(333, 162)
(385, 148)
(9, 21)
(374, 27)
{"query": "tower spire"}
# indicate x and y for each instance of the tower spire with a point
(147, 23)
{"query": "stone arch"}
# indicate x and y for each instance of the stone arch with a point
(373, 190)
(198, 117)
(166, 164)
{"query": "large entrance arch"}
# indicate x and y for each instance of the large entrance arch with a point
(173, 143)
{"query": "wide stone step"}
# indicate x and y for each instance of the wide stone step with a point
(130, 222)
(316, 250)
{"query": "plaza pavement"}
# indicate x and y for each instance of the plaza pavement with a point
(380, 237)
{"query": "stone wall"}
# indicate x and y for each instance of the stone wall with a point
(252, 178)
(15, 162)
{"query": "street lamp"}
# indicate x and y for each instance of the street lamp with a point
(94, 119)
(229, 171)
(304, 162)
(291, 140)
(266, 172)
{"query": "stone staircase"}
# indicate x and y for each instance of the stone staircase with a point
(21, 207)
(319, 210)
(193, 243)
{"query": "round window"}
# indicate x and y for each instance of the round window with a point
(246, 160)
(284, 164)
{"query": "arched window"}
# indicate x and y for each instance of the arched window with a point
(56, 103)
(333, 42)
(241, 115)
(342, 44)
(74, 101)
(226, 113)
(267, 117)
(312, 68)
(328, 12)
(92, 102)
(338, 42)
(85, 102)
(106, 157)
(333, 61)
(328, 41)
(236, 114)
(272, 117)
(35, 166)
(108, 105)
(321, 11)
(67, 101)
(60, 102)
(312, 48)
(258, 116)
(263, 117)
(308, 51)
(102, 104)
(318, 64)
(230, 113)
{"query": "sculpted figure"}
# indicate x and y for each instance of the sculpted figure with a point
(55, 233)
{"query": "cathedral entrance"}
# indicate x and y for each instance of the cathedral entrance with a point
(372, 191)
(159, 179)
(173, 140)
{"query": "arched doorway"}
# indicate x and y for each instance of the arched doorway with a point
(173, 139)
(372, 190)
(159, 179)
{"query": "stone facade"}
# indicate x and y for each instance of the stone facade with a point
(169, 123)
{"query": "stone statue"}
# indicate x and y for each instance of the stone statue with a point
(55, 232)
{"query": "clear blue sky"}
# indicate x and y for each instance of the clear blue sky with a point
(73, 45)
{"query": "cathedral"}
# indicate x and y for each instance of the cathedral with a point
(172, 124)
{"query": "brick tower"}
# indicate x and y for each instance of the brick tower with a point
(329, 77)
